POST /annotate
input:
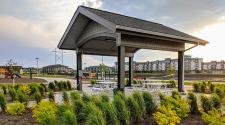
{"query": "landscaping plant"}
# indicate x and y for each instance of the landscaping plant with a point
(44, 86)
(12, 93)
(150, 105)
(74, 96)
(16, 108)
(214, 117)
(4, 89)
(140, 101)
(45, 113)
(69, 118)
(2, 102)
(216, 101)
(181, 106)
(104, 98)
(37, 97)
(206, 103)
(121, 109)
(86, 98)
(134, 109)
(64, 85)
(109, 113)
(78, 108)
(65, 97)
(51, 86)
(22, 97)
(95, 116)
(69, 86)
(25, 89)
(193, 103)
(166, 116)
(51, 96)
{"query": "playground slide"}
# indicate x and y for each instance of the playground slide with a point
(17, 75)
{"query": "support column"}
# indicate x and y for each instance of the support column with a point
(130, 71)
(79, 69)
(121, 67)
(181, 71)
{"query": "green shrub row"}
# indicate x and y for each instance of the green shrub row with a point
(60, 85)
(95, 110)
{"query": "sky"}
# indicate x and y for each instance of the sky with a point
(32, 29)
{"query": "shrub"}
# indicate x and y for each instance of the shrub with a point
(51, 86)
(16, 108)
(65, 97)
(141, 104)
(44, 86)
(104, 98)
(2, 102)
(69, 118)
(214, 117)
(86, 98)
(95, 116)
(78, 108)
(64, 84)
(74, 96)
(212, 86)
(206, 103)
(25, 89)
(12, 93)
(22, 97)
(196, 87)
(150, 105)
(69, 86)
(4, 89)
(176, 95)
(37, 97)
(179, 105)
(109, 113)
(121, 110)
(51, 96)
(41, 89)
(166, 116)
(193, 103)
(121, 95)
(172, 84)
(93, 82)
(45, 113)
(59, 85)
(203, 87)
(134, 109)
(17, 86)
(34, 88)
(216, 101)
(219, 92)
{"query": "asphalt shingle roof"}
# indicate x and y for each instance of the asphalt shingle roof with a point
(132, 22)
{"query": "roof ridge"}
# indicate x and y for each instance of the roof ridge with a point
(120, 14)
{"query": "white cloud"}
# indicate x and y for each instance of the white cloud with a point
(46, 24)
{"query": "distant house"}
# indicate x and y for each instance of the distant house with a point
(58, 69)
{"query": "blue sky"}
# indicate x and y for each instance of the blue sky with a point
(33, 28)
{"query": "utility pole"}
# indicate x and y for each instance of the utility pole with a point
(37, 65)
(62, 56)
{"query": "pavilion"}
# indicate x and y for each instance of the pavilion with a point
(97, 32)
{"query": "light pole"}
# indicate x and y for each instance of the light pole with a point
(37, 65)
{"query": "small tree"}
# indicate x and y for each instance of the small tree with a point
(102, 69)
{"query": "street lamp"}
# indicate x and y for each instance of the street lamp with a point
(37, 65)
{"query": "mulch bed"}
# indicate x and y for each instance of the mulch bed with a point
(190, 120)
(24, 119)
(23, 80)
(27, 119)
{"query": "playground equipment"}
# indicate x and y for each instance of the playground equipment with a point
(10, 71)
